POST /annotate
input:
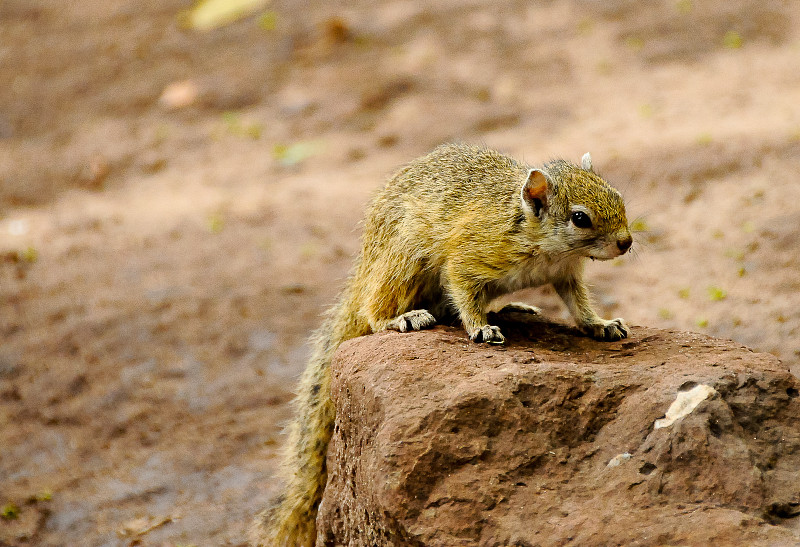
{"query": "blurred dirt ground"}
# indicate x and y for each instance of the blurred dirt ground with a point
(177, 207)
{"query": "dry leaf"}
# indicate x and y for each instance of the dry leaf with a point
(141, 526)
(211, 14)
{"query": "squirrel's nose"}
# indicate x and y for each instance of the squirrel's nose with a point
(624, 244)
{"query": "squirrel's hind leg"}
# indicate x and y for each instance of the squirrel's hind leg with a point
(411, 320)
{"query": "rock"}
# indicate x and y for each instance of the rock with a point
(551, 440)
(179, 95)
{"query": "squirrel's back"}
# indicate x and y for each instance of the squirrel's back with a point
(450, 180)
(456, 196)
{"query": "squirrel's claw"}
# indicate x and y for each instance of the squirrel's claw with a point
(488, 334)
(608, 331)
(412, 320)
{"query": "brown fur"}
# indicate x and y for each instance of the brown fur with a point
(448, 233)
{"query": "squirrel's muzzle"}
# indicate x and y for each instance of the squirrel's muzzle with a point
(623, 244)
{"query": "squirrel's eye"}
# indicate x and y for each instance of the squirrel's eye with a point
(581, 219)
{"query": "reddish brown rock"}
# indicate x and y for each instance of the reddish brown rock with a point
(550, 440)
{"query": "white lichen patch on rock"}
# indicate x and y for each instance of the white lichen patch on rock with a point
(618, 459)
(684, 404)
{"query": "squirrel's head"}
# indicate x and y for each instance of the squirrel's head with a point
(577, 210)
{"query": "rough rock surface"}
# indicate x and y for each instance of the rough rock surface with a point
(550, 440)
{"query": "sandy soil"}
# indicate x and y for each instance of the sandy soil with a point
(163, 256)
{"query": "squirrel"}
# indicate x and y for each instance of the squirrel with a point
(449, 232)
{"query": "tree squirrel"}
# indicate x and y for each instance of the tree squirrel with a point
(448, 233)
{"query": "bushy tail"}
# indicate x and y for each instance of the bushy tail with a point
(291, 520)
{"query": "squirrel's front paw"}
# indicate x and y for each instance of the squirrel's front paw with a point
(487, 333)
(609, 331)
(412, 320)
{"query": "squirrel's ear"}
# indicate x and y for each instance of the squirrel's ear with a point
(586, 162)
(534, 192)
